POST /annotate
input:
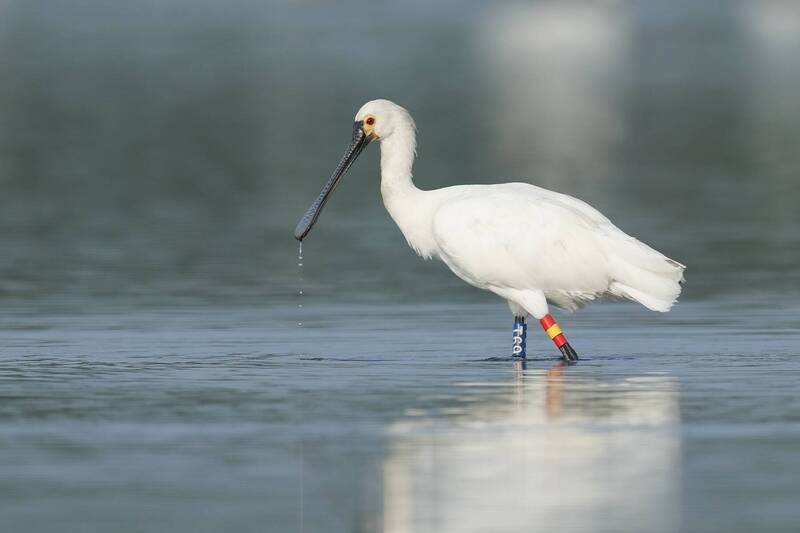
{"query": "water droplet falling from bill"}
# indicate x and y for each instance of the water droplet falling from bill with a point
(300, 292)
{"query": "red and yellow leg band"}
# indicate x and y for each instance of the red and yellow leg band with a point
(553, 331)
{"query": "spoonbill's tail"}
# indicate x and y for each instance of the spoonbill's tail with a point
(642, 274)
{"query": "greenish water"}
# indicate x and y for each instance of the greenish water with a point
(155, 157)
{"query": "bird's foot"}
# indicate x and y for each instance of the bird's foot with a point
(568, 353)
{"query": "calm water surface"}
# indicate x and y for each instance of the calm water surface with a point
(400, 418)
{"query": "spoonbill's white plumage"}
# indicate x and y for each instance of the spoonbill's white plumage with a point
(531, 246)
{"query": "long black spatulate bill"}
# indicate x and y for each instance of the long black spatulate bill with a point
(359, 142)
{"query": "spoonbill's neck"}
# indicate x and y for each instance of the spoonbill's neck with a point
(397, 157)
(408, 206)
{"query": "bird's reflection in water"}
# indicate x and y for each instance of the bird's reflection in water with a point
(554, 450)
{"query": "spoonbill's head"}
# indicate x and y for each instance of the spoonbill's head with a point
(382, 118)
(376, 120)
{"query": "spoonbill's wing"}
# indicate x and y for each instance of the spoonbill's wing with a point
(518, 236)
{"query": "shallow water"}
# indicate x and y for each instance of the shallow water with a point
(400, 417)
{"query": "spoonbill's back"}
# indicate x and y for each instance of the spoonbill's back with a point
(528, 245)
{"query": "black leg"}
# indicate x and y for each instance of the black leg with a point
(554, 332)
(568, 353)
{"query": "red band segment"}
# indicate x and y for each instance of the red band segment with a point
(560, 340)
(547, 322)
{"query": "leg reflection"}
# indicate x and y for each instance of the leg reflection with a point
(554, 390)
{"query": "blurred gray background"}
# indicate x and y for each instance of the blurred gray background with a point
(156, 152)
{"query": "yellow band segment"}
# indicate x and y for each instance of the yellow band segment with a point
(553, 330)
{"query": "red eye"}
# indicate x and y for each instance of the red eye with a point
(370, 121)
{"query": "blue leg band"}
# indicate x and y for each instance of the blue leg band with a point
(520, 333)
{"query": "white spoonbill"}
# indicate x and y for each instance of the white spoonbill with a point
(528, 245)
